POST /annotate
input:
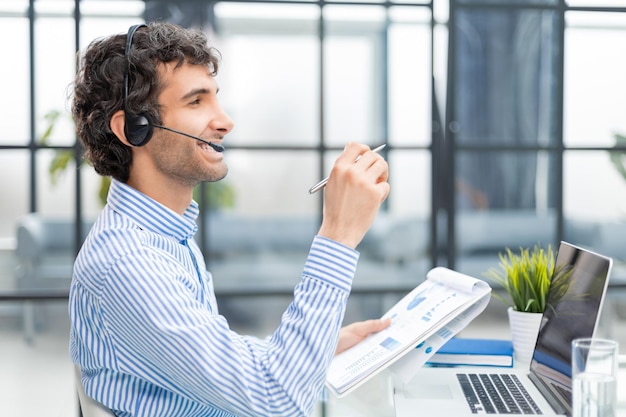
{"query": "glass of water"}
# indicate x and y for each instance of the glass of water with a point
(594, 373)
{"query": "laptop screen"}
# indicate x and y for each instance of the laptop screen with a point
(573, 307)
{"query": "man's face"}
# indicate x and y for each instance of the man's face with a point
(189, 103)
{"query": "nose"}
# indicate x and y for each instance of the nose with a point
(222, 121)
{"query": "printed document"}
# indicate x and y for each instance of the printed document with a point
(428, 316)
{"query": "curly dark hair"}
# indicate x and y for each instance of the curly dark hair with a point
(99, 86)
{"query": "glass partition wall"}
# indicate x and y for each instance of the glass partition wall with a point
(503, 123)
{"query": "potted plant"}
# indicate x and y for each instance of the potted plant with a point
(526, 277)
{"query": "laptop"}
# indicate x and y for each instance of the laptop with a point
(542, 389)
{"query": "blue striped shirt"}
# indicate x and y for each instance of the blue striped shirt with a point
(147, 335)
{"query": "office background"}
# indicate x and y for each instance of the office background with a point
(501, 120)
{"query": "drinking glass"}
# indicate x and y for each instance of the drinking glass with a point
(594, 373)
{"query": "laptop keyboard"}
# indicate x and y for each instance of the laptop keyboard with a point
(496, 394)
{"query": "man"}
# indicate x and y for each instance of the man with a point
(145, 328)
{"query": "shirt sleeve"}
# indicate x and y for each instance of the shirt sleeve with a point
(163, 333)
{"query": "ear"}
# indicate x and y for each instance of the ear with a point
(117, 122)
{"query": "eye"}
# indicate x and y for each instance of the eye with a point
(195, 102)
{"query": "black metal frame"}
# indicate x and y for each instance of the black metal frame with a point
(440, 184)
(440, 131)
(441, 124)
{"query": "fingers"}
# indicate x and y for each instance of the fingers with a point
(367, 327)
(359, 160)
(376, 325)
(354, 333)
(351, 152)
(356, 188)
(376, 171)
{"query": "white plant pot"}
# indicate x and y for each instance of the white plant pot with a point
(524, 330)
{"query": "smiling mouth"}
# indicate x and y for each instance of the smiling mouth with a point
(211, 147)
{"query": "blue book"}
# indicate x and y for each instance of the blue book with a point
(474, 352)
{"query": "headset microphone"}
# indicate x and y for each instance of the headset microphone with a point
(216, 146)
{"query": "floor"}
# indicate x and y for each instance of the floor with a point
(37, 379)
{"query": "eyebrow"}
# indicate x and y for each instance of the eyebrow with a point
(198, 91)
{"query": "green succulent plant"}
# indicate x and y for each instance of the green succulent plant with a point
(527, 277)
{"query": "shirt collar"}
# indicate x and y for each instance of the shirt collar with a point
(150, 214)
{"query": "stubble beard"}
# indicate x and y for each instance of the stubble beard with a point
(185, 166)
(194, 174)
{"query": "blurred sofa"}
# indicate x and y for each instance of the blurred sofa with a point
(267, 254)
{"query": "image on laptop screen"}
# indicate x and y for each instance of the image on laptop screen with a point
(574, 304)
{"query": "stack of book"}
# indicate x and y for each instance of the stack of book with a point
(475, 352)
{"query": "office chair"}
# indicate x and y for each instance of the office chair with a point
(88, 406)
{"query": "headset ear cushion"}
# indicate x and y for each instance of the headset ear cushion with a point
(138, 129)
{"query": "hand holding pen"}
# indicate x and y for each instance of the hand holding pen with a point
(359, 186)
(323, 182)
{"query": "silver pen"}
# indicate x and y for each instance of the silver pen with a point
(323, 182)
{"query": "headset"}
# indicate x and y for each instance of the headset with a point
(138, 128)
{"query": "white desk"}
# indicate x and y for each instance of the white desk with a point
(375, 398)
